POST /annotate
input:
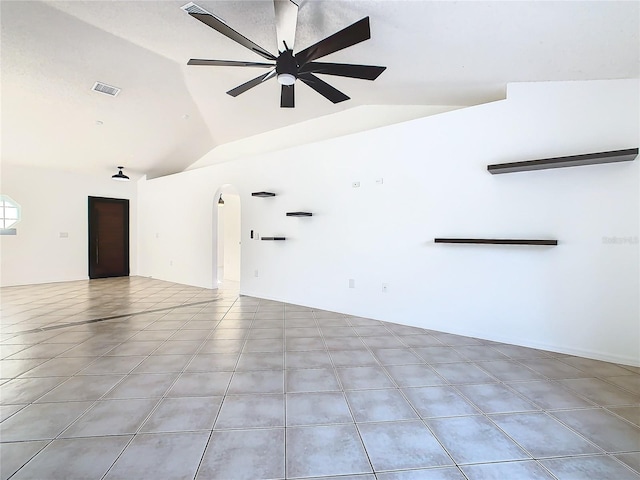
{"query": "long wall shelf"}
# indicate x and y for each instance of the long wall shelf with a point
(263, 194)
(497, 241)
(571, 161)
(273, 238)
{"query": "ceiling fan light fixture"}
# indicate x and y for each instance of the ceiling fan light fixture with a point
(121, 177)
(286, 79)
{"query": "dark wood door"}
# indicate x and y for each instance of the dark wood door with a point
(108, 237)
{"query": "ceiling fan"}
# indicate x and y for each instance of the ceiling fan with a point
(290, 67)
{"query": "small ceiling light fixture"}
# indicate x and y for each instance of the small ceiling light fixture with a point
(286, 79)
(220, 201)
(121, 177)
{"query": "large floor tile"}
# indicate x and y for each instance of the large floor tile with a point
(41, 421)
(325, 450)
(475, 440)
(402, 445)
(183, 415)
(213, 362)
(27, 390)
(414, 375)
(260, 361)
(251, 411)
(601, 392)
(445, 473)
(631, 414)
(76, 458)
(81, 388)
(550, 395)
(200, 384)
(244, 455)
(528, 470)
(602, 428)
(438, 354)
(146, 385)
(439, 401)
(543, 436)
(112, 365)
(461, 373)
(311, 380)
(257, 382)
(554, 369)
(631, 460)
(317, 408)
(163, 364)
(509, 370)
(352, 358)
(496, 398)
(357, 378)
(170, 456)
(14, 455)
(379, 405)
(589, 468)
(313, 359)
(596, 368)
(112, 417)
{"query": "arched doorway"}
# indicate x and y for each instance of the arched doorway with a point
(227, 235)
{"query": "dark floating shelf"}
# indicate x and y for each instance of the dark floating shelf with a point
(299, 214)
(263, 194)
(559, 162)
(496, 241)
(273, 238)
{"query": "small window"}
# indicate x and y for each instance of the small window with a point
(9, 215)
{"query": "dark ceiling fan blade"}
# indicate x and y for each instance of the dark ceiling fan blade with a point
(323, 88)
(365, 72)
(228, 63)
(234, 92)
(229, 32)
(354, 33)
(286, 20)
(287, 96)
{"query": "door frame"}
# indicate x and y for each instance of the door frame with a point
(92, 233)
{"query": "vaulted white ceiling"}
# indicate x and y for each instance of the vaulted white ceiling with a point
(169, 114)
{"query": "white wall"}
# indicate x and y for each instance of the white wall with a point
(54, 202)
(579, 297)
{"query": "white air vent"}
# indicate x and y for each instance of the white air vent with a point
(106, 89)
(193, 8)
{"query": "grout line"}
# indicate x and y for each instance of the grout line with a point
(103, 319)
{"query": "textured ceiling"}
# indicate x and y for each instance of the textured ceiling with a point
(169, 114)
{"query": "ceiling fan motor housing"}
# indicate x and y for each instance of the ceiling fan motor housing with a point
(287, 64)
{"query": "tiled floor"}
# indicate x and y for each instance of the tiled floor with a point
(185, 383)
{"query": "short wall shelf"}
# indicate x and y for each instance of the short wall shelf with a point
(273, 238)
(263, 194)
(497, 241)
(299, 214)
(559, 162)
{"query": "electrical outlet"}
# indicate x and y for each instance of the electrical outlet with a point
(352, 283)
(171, 263)
(255, 273)
(385, 287)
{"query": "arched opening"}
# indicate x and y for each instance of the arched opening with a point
(227, 235)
